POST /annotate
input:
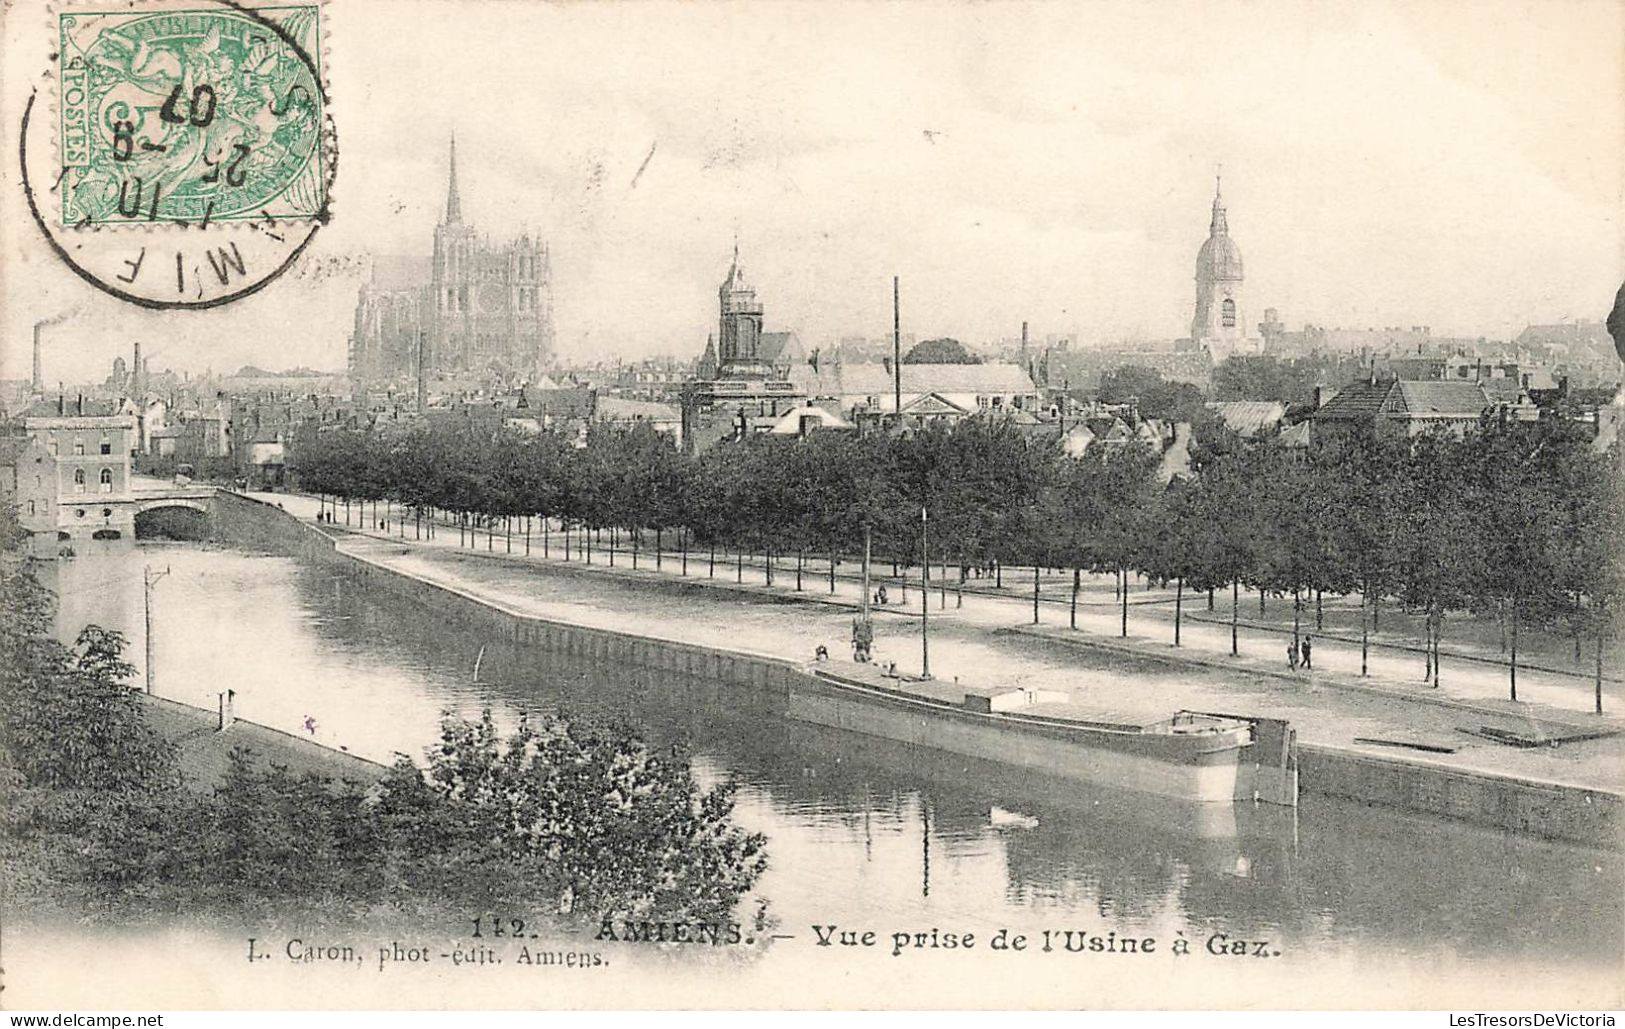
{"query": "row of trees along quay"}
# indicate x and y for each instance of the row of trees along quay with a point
(1519, 522)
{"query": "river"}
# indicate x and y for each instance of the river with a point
(1360, 904)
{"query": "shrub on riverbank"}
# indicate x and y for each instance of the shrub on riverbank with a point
(556, 818)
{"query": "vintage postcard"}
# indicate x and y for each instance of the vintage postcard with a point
(853, 505)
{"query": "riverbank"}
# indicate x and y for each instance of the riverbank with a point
(203, 747)
(1562, 794)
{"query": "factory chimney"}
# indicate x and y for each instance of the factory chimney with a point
(39, 377)
(422, 383)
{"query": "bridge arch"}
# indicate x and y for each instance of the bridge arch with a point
(178, 519)
(157, 503)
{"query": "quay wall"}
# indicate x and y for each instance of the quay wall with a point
(1546, 809)
(1549, 810)
(243, 521)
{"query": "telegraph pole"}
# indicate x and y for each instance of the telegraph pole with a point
(896, 353)
(148, 579)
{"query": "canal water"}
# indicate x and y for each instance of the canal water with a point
(1359, 906)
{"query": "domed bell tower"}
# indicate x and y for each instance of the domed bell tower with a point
(1218, 281)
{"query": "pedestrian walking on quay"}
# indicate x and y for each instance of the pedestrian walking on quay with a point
(1308, 665)
(1292, 654)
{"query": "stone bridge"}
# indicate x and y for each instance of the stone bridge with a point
(98, 521)
(179, 512)
(197, 498)
(195, 511)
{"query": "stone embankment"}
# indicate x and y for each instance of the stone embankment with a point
(1426, 785)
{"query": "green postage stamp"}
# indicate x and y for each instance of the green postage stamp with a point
(192, 113)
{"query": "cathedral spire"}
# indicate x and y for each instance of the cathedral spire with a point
(736, 277)
(1220, 225)
(454, 206)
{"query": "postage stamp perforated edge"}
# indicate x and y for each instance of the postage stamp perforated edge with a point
(319, 169)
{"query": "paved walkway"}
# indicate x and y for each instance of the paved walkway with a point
(1468, 672)
(1133, 679)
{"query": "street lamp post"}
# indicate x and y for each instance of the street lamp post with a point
(863, 633)
(148, 579)
(925, 600)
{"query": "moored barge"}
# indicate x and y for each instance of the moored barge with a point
(1193, 756)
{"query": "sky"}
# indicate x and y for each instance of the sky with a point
(1449, 163)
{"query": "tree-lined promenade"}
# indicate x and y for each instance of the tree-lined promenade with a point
(1518, 524)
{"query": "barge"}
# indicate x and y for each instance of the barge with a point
(1196, 756)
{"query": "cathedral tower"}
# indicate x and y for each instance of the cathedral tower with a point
(484, 316)
(452, 287)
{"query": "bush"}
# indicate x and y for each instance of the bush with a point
(95, 814)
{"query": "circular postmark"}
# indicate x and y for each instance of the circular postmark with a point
(184, 155)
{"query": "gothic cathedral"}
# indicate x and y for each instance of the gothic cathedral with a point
(485, 314)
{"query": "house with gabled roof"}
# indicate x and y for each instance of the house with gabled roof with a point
(1409, 408)
(807, 419)
(1248, 417)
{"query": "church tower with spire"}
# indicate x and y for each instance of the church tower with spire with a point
(453, 292)
(475, 314)
(739, 332)
(1218, 318)
(489, 308)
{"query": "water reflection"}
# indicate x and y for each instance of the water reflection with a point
(861, 832)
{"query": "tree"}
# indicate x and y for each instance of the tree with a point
(1291, 382)
(1176, 547)
(1223, 530)
(1437, 565)
(1520, 470)
(588, 815)
(72, 722)
(1153, 395)
(940, 351)
(1103, 512)
(1369, 516)
(1304, 505)
(1602, 561)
